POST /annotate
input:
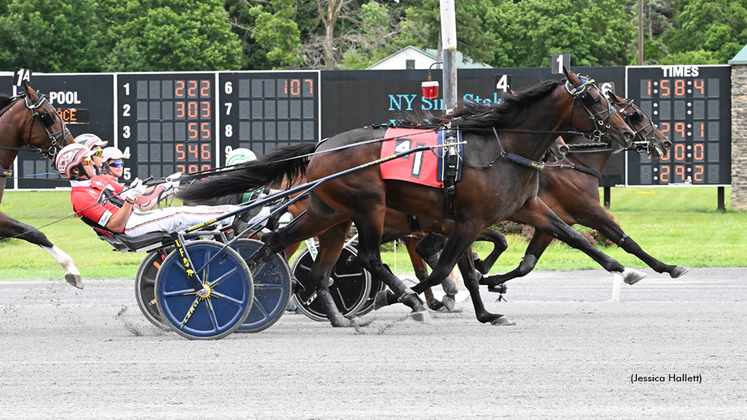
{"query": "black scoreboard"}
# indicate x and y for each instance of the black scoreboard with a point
(260, 110)
(692, 107)
(166, 122)
(188, 121)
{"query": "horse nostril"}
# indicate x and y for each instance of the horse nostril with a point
(563, 149)
(629, 135)
(667, 144)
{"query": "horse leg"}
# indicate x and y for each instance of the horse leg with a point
(540, 241)
(421, 272)
(536, 213)
(331, 243)
(471, 282)
(458, 249)
(499, 245)
(427, 248)
(370, 229)
(10, 228)
(601, 221)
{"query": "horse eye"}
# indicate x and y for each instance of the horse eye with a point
(635, 117)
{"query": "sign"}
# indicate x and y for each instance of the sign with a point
(692, 107)
(261, 110)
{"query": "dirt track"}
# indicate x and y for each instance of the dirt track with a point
(90, 355)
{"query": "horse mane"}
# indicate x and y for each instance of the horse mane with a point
(510, 112)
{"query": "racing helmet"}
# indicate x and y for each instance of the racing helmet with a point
(71, 156)
(239, 155)
(90, 140)
(111, 153)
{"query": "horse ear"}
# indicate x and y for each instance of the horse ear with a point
(31, 93)
(571, 76)
(615, 98)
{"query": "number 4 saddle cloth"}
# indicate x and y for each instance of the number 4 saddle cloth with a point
(424, 167)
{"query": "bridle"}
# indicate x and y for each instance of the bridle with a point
(582, 94)
(646, 133)
(47, 120)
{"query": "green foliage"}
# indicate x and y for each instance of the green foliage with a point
(707, 31)
(170, 35)
(49, 35)
(595, 33)
(278, 34)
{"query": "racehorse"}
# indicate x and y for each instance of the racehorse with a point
(571, 190)
(499, 178)
(29, 122)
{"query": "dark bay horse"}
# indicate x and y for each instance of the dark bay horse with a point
(571, 190)
(500, 177)
(29, 122)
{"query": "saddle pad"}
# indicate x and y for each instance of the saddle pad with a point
(420, 167)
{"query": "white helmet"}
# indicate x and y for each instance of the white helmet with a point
(70, 157)
(90, 140)
(239, 155)
(111, 153)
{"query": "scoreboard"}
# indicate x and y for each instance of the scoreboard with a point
(166, 122)
(692, 107)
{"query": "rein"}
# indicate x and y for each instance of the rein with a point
(47, 121)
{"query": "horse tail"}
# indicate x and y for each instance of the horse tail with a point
(282, 165)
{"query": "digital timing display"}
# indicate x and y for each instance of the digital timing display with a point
(167, 123)
(261, 110)
(692, 107)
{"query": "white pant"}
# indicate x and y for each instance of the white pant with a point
(175, 219)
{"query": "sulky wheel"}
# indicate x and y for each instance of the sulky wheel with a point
(223, 309)
(350, 285)
(145, 286)
(272, 288)
(367, 306)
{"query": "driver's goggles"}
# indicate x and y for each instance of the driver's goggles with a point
(116, 164)
(98, 153)
(87, 161)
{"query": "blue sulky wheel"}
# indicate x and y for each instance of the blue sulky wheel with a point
(350, 285)
(272, 288)
(223, 309)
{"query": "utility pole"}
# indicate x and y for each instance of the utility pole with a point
(448, 35)
(640, 32)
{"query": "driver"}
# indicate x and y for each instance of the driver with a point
(94, 143)
(94, 201)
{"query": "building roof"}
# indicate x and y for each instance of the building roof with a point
(423, 60)
(741, 57)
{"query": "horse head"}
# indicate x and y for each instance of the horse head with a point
(599, 117)
(648, 137)
(43, 130)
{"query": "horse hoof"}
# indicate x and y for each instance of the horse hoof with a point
(380, 300)
(449, 302)
(434, 304)
(679, 271)
(74, 280)
(632, 276)
(421, 316)
(502, 321)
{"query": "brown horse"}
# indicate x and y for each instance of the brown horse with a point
(29, 122)
(499, 178)
(571, 190)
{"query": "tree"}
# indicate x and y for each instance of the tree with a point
(50, 36)
(170, 35)
(707, 31)
(278, 33)
(594, 32)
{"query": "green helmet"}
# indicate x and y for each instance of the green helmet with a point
(239, 155)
